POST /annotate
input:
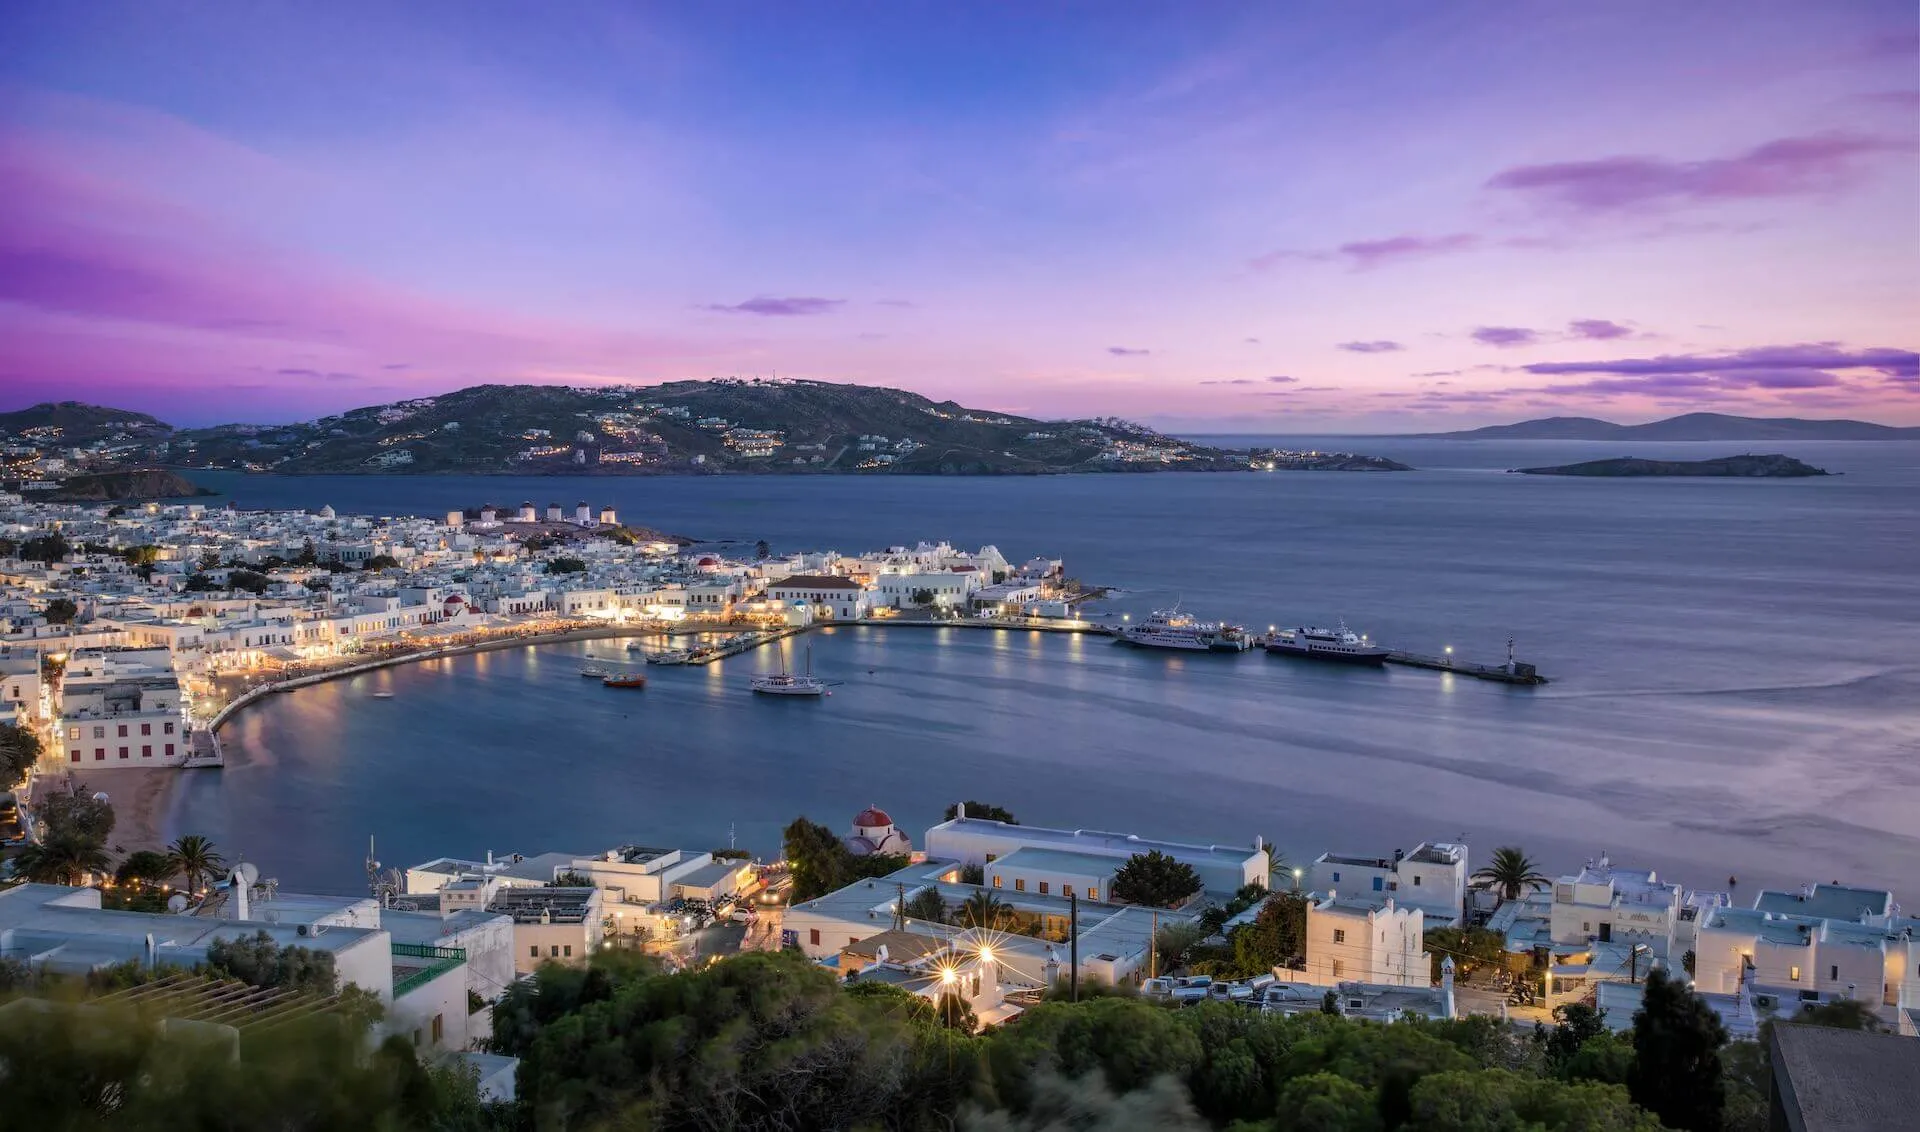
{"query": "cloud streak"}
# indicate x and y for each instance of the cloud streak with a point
(1127, 352)
(1597, 329)
(1796, 166)
(1378, 346)
(769, 307)
(1505, 337)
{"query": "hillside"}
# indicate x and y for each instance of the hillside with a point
(1749, 467)
(74, 423)
(126, 486)
(687, 426)
(1689, 427)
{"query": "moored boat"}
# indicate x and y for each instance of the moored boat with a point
(1341, 645)
(790, 684)
(1172, 629)
(626, 680)
(594, 672)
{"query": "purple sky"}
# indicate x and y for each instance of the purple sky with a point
(1387, 216)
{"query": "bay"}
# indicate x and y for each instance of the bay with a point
(1735, 666)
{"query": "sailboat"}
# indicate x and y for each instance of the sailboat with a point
(787, 684)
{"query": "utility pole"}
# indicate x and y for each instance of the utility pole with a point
(1153, 948)
(1073, 946)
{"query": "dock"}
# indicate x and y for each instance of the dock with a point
(1512, 672)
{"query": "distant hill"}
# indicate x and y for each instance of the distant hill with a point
(126, 486)
(1692, 426)
(63, 423)
(1752, 467)
(688, 426)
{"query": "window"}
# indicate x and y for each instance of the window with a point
(1339, 935)
(439, 1028)
(123, 752)
(1336, 878)
(99, 754)
(146, 750)
(146, 729)
(553, 951)
(1834, 972)
(123, 731)
(1043, 888)
(996, 880)
(1019, 884)
(1066, 890)
(1093, 894)
(168, 727)
(169, 750)
(1379, 883)
(813, 936)
(569, 950)
(1416, 882)
(99, 733)
(73, 732)
(76, 754)
(534, 951)
(1339, 968)
(1794, 974)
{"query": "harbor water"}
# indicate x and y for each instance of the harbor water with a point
(1735, 666)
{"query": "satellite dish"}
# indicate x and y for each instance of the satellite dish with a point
(177, 903)
(101, 796)
(244, 875)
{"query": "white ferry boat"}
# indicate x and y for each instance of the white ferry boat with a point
(789, 684)
(595, 672)
(1341, 644)
(1172, 629)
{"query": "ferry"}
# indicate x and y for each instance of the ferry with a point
(1172, 629)
(626, 680)
(788, 684)
(670, 656)
(1342, 645)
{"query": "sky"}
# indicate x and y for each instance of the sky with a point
(1391, 216)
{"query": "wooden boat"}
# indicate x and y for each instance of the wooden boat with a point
(626, 680)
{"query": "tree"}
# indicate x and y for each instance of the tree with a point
(76, 811)
(209, 560)
(1839, 1014)
(973, 874)
(566, 566)
(921, 597)
(927, 905)
(762, 551)
(955, 1014)
(1155, 879)
(258, 961)
(62, 857)
(1676, 1073)
(815, 857)
(1276, 937)
(1470, 948)
(145, 868)
(61, 611)
(1510, 873)
(985, 910)
(251, 581)
(1327, 1102)
(194, 858)
(981, 810)
(380, 562)
(19, 750)
(570, 879)
(1577, 1022)
(45, 548)
(307, 556)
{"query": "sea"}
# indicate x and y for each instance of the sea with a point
(1734, 666)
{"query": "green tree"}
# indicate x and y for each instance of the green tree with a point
(142, 558)
(1839, 1014)
(815, 857)
(1174, 943)
(62, 857)
(1575, 1023)
(553, 992)
(1470, 948)
(954, 1013)
(307, 556)
(1060, 1103)
(1677, 1074)
(19, 751)
(1276, 937)
(380, 562)
(77, 812)
(1483, 1100)
(981, 810)
(45, 548)
(927, 905)
(1510, 874)
(145, 868)
(258, 961)
(1154, 879)
(570, 879)
(61, 611)
(1127, 1041)
(209, 560)
(566, 565)
(1327, 1102)
(194, 858)
(252, 581)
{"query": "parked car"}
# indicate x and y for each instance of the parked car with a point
(1192, 988)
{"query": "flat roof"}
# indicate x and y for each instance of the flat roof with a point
(1094, 840)
(1845, 1080)
(559, 905)
(706, 876)
(1827, 902)
(1063, 860)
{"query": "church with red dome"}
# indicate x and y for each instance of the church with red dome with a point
(874, 832)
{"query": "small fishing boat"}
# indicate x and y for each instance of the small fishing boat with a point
(594, 672)
(626, 680)
(383, 695)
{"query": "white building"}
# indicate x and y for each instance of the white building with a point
(1361, 939)
(1432, 878)
(830, 597)
(1825, 942)
(550, 925)
(1223, 869)
(122, 709)
(1606, 903)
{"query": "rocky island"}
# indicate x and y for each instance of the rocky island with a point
(125, 486)
(1749, 467)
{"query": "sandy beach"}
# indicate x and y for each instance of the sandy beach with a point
(140, 797)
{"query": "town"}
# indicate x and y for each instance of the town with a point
(131, 632)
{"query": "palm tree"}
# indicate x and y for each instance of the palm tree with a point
(1510, 873)
(63, 858)
(985, 910)
(193, 857)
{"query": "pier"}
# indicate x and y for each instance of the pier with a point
(1512, 672)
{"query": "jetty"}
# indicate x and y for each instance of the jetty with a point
(1512, 672)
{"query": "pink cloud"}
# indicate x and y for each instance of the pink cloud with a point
(1597, 329)
(1364, 254)
(797, 306)
(1798, 166)
(1378, 346)
(1505, 337)
(1127, 352)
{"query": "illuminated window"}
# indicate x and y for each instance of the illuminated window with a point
(1093, 894)
(996, 880)
(1043, 888)
(1066, 890)
(1019, 884)
(1339, 935)
(1794, 974)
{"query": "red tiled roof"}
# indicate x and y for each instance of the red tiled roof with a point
(815, 582)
